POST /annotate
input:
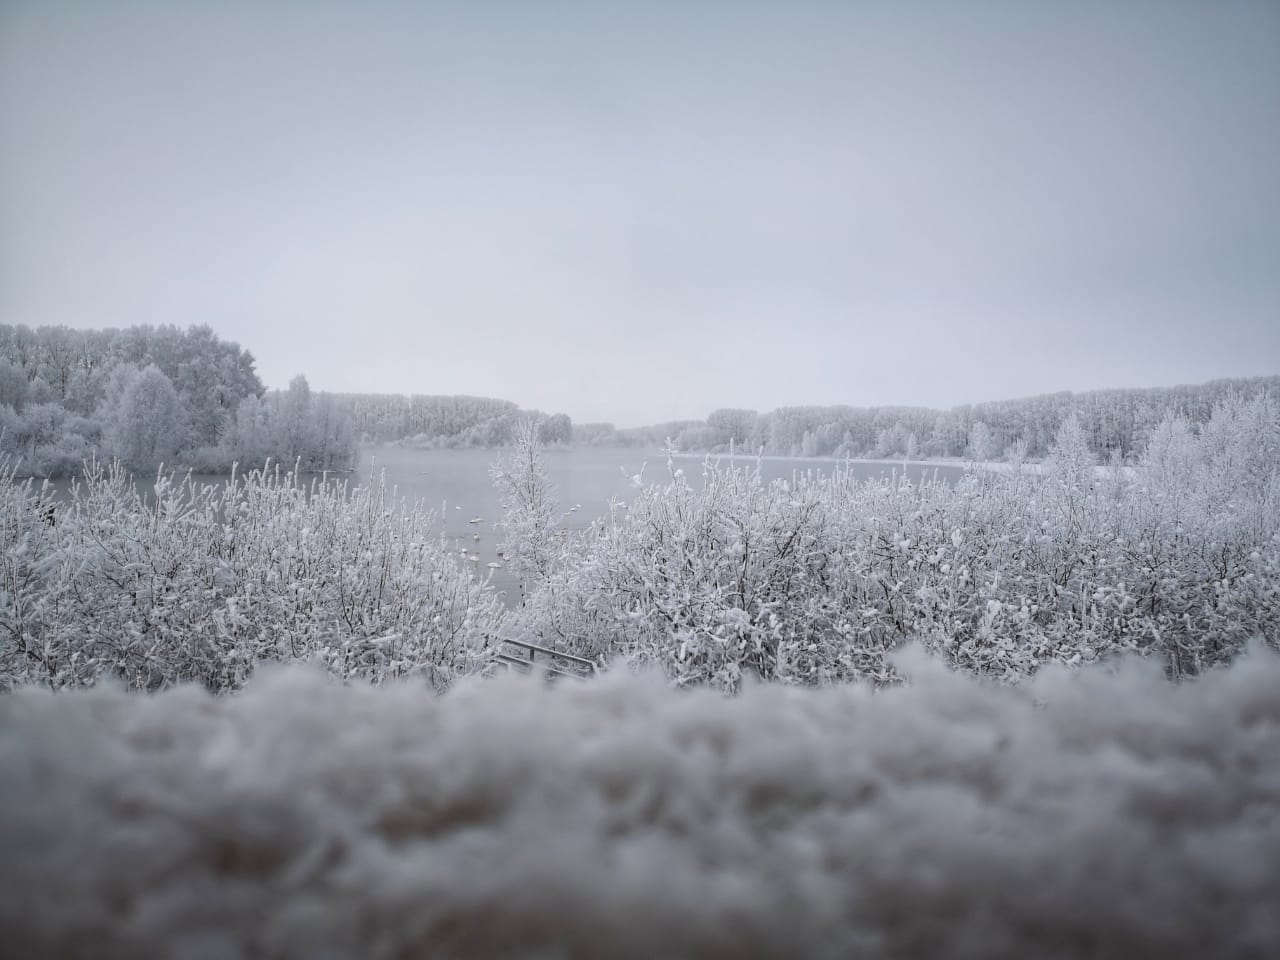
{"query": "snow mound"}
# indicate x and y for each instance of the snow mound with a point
(1105, 813)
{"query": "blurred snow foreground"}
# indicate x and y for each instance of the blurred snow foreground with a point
(1099, 813)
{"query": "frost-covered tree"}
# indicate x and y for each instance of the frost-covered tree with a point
(981, 442)
(596, 435)
(1111, 420)
(527, 529)
(333, 436)
(1240, 444)
(1170, 462)
(1070, 462)
(295, 433)
(1069, 481)
(556, 429)
(446, 421)
(37, 426)
(146, 429)
(732, 426)
(13, 385)
(312, 431)
(86, 372)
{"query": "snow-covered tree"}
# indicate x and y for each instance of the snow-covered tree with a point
(527, 527)
(13, 385)
(981, 442)
(147, 427)
(86, 372)
(1070, 462)
(294, 423)
(557, 428)
(733, 426)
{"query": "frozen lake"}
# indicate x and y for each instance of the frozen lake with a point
(455, 484)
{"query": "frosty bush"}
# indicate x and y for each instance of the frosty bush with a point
(813, 580)
(202, 582)
(713, 582)
(807, 581)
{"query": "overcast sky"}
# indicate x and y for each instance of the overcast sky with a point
(642, 211)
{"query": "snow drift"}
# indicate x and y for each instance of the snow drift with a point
(1101, 813)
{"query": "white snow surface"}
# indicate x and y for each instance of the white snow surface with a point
(1101, 813)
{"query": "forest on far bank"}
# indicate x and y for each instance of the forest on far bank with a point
(1115, 423)
(148, 396)
(186, 398)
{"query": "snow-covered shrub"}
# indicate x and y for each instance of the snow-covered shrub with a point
(201, 582)
(806, 581)
(712, 581)
(27, 552)
(813, 580)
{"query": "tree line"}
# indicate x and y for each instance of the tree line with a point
(1115, 423)
(428, 421)
(148, 395)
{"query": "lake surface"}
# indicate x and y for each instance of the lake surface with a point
(456, 482)
(456, 485)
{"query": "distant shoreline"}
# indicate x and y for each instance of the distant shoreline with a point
(1034, 467)
(990, 466)
(995, 465)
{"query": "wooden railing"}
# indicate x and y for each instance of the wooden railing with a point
(524, 656)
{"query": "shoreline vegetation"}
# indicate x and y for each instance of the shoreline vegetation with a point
(152, 395)
(913, 467)
(809, 581)
(1170, 549)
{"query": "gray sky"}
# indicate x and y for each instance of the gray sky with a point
(642, 211)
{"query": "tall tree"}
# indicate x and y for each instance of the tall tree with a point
(147, 429)
(527, 526)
